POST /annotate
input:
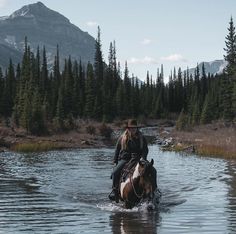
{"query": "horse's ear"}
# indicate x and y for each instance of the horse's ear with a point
(152, 161)
(141, 163)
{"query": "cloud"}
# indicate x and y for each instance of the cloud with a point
(146, 41)
(92, 23)
(145, 60)
(3, 3)
(174, 58)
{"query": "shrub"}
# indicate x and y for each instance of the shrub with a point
(91, 129)
(69, 122)
(105, 131)
(183, 122)
(57, 124)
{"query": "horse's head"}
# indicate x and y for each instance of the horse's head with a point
(141, 185)
(147, 177)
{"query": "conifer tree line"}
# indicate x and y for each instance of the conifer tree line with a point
(38, 99)
(207, 98)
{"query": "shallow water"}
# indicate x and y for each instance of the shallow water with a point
(66, 192)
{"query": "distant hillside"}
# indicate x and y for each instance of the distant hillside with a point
(43, 27)
(6, 53)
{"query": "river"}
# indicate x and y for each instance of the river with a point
(66, 192)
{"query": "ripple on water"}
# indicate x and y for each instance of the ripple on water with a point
(66, 192)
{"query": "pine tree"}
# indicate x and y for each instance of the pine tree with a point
(68, 87)
(204, 82)
(230, 49)
(158, 107)
(60, 111)
(37, 124)
(90, 98)
(75, 92)
(234, 100)
(107, 99)
(9, 91)
(2, 85)
(26, 115)
(81, 84)
(120, 100)
(37, 68)
(56, 81)
(170, 86)
(98, 59)
(226, 98)
(23, 89)
(148, 96)
(227, 91)
(15, 114)
(207, 113)
(196, 113)
(127, 88)
(44, 84)
(179, 91)
(182, 122)
(99, 77)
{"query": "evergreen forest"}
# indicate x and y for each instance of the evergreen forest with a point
(37, 98)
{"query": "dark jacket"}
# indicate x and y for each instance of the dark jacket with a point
(134, 149)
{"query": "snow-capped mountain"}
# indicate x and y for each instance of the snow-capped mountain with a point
(213, 67)
(43, 27)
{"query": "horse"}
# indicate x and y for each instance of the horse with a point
(139, 184)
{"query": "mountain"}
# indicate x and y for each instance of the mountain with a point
(6, 53)
(43, 27)
(214, 67)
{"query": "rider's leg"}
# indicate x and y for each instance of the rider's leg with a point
(115, 180)
(116, 173)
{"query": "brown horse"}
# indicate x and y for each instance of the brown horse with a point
(139, 185)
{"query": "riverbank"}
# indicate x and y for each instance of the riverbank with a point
(89, 134)
(216, 140)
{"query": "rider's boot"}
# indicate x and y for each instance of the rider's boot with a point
(114, 195)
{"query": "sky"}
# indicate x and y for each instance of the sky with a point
(148, 33)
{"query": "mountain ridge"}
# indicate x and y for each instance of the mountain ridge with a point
(213, 67)
(44, 27)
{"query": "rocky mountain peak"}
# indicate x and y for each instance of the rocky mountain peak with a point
(43, 27)
(39, 11)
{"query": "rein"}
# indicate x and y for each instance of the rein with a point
(132, 183)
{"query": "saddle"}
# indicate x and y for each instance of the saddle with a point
(128, 169)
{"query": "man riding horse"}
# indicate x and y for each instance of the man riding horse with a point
(131, 145)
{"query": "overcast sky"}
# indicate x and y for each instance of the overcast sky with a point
(149, 33)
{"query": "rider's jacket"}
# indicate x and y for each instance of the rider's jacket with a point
(136, 147)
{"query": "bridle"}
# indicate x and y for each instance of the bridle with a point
(135, 192)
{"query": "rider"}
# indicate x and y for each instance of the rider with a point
(131, 145)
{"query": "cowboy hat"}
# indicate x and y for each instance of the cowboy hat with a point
(132, 123)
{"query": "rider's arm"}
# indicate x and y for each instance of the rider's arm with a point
(117, 151)
(144, 149)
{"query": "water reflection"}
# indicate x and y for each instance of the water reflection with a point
(66, 192)
(140, 222)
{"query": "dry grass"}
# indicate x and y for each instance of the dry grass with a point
(216, 151)
(215, 139)
(34, 147)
